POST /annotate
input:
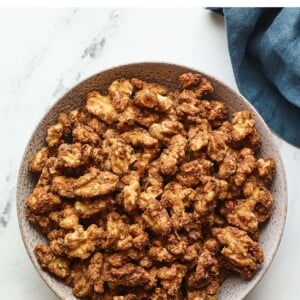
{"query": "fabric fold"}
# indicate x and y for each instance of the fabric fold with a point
(264, 47)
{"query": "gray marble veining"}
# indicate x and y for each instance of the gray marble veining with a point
(45, 52)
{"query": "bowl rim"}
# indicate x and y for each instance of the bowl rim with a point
(274, 251)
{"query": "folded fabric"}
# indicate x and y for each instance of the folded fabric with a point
(264, 46)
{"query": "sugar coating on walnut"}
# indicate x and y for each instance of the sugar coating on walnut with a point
(54, 135)
(119, 155)
(79, 243)
(41, 200)
(150, 193)
(39, 160)
(242, 253)
(66, 218)
(73, 155)
(101, 107)
(172, 155)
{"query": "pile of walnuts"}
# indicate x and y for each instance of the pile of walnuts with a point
(147, 193)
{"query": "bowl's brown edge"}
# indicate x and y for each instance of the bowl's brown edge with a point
(283, 174)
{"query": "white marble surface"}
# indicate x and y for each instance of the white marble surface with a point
(45, 52)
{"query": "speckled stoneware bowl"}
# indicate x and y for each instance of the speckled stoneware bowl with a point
(234, 288)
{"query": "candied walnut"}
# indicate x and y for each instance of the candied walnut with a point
(217, 148)
(207, 268)
(207, 293)
(85, 135)
(131, 191)
(188, 106)
(177, 198)
(50, 170)
(171, 278)
(137, 84)
(117, 259)
(191, 172)
(43, 222)
(39, 160)
(117, 232)
(57, 233)
(162, 131)
(213, 189)
(151, 97)
(226, 129)
(192, 252)
(87, 208)
(54, 135)
(242, 125)
(97, 156)
(95, 272)
(146, 197)
(234, 191)
(66, 123)
(199, 84)
(229, 165)
(58, 266)
(119, 155)
(216, 112)
(212, 245)
(78, 243)
(56, 238)
(44, 255)
(99, 236)
(111, 133)
(127, 118)
(98, 126)
(242, 253)
(139, 137)
(41, 200)
(101, 107)
(135, 254)
(156, 218)
(65, 218)
(161, 254)
(140, 237)
(146, 262)
(146, 117)
(176, 244)
(64, 186)
(252, 140)
(145, 159)
(240, 213)
(198, 135)
(159, 294)
(120, 92)
(245, 165)
(79, 280)
(154, 177)
(129, 275)
(95, 183)
(266, 169)
(69, 155)
(255, 189)
(198, 295)
(76, 117)
(172, 155)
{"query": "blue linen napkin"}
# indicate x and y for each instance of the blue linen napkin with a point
(264, 46)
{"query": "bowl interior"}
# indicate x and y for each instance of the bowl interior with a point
(166, 74)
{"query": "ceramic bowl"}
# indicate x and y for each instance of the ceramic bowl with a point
(166, 74)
